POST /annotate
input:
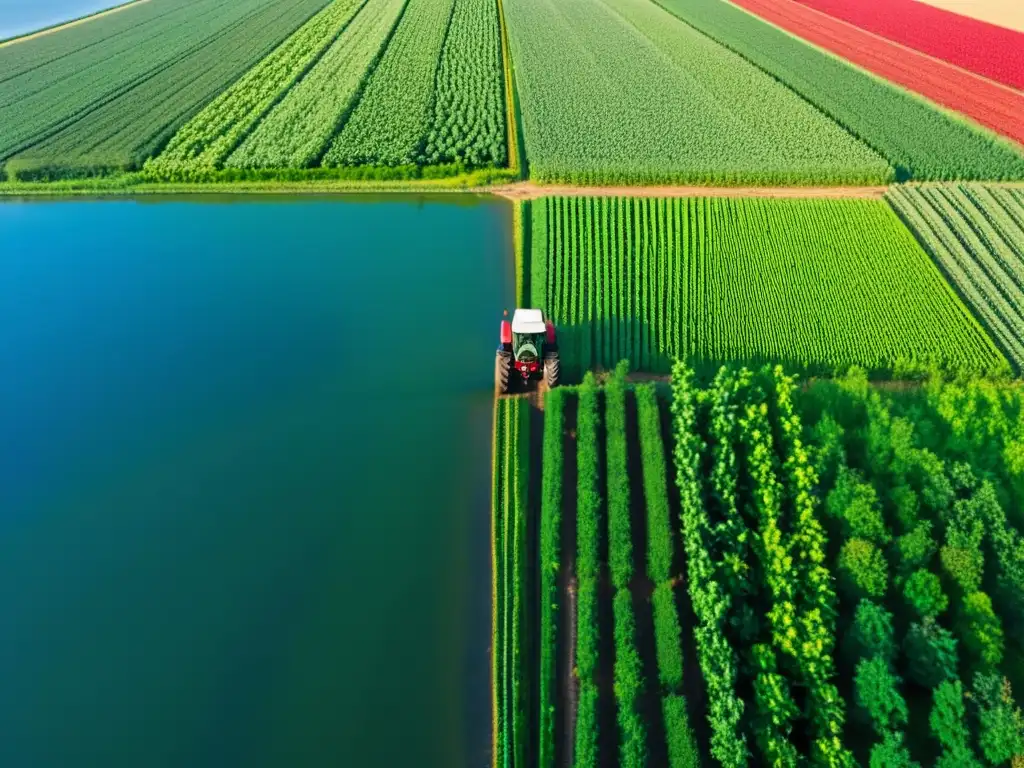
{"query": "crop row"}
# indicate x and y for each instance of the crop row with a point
(206, 140)
(609, 458)
(918, 140)
(976, 234)
(818, 284)
(620, 91)
(469, 105)
(509, 593)
(390, 120)
(400, 84)
(296, 131)
(41, 101)
(124, 132)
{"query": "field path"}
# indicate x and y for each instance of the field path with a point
(528, 190)
(74, 23)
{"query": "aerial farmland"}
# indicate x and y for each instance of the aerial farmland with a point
(745, 489)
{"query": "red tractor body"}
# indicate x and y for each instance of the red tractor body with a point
(529, 345)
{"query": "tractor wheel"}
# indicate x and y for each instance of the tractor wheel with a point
(552, 370)
(502, 371)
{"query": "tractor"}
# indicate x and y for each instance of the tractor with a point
(528, 347)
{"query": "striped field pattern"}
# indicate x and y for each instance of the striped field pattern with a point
(820, 284)
(976, 234)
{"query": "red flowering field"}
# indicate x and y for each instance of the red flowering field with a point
(988, 103)
(989, 50)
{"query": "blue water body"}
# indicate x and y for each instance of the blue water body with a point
(244, 481)
(20, 16)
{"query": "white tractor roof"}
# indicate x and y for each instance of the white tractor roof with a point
(528, 321)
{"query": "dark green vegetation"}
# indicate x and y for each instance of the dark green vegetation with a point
(410, 88)
(107, 94)
(259, 90)
(976, 235)
(222, 542)
(903, 506)
(608, 593)
(509, 563)
(818, 284)
(850, 566)
(919, 141)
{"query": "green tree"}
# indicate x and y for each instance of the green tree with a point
(1000, 722)
(891, 753)
(923, 592)
(872, 632)
(863, 570)
(981, 630)
(962, 477)
(948, 720)
(905, 505)
(916, 548)
(931, 651)
(856, 503)
(876, 690)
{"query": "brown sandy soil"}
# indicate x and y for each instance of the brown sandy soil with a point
(528, 190)
(1004, 13)
(70, 24)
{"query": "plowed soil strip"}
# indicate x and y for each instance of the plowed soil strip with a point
(527, 190)
(990, 104)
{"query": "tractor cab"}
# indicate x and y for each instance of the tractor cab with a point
(528, 346)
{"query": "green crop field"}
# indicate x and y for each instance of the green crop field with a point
(510, 571)
(842, 563)
(208, 90)
(976, 234)
(123, 132)
(134, 82)
(621, 91)
(387, 83)
(918, 140)
(820, 284)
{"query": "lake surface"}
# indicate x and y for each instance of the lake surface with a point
(18, 17)
(244, 481)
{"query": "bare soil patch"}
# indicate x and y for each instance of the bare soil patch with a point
(528, 190)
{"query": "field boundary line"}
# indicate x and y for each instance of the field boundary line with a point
(513, 134)
(530, 191)
(68, 24)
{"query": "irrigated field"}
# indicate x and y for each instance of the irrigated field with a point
(818, 284)
(976, 234)
(619, 91)
(919, 141)
(842, 564)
